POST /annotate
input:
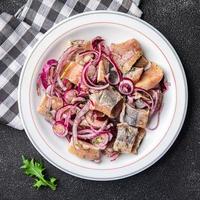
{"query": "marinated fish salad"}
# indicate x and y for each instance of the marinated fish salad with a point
(101, 98)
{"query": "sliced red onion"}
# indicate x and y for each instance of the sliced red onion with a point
(98, 58)
(87, 82)
(70, 95)
(106, 50)
(78, 99)
(60, 83)
(48, 90)
(147, 93)
(83, 94)
(110, 59)
(84, 53)
(44, 78)
(96, 41)
(130, 100)
(44, 75)
(114, 156)
(102, 127)
(91, 75)
(58, 90)
(164, 85)
(59, 129)
(157, 122)
(109, 126)
(67, 119)
(77, 120)
(89, 134)
(67, 84)
(110, 136)
(155, 98)
(61, 111)
(52, 62)
(85, 75)
(148, 105)
(51, 75)
(58, 94)
(78, 89)
(126, 87)
(85, 131)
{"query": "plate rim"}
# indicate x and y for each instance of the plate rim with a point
(185, 87)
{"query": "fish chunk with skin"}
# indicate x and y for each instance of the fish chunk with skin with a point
(72, 72)
(85, 150)
(102, 71)
(126, 136)
(142, 62)
(47, 103)
(134, 74)
(126, 54)
(56, 103)
(140, 136)
(151, 77)
(44, 106)
(107, 101)
(134, 117)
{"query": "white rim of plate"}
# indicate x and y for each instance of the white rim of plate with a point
(180, 124)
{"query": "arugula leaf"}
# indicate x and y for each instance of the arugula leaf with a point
(36, 169)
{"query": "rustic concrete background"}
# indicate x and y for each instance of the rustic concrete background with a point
(176, 176)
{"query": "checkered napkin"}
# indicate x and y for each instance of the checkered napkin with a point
(19, 33)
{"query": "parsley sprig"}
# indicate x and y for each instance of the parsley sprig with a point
(36, 169)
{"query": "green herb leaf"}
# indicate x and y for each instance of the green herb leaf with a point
(36, 169)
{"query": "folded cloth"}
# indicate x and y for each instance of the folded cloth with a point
(19, 33)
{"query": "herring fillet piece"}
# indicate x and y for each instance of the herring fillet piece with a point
(72, 72)
(134, 117)
(108, 101)
(151, 77)
(134, 74)
(85, 150)
(142, 62)
(126, 136)
(103, 68)
(140, 136)
(46, 103)
(126, 54)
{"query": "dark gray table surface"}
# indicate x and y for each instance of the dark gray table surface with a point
(175, 176)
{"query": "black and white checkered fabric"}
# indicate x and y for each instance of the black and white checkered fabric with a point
(19, 33)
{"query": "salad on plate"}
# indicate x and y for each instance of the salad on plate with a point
(101, 98)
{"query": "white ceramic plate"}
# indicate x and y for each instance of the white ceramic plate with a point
(114, 27)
